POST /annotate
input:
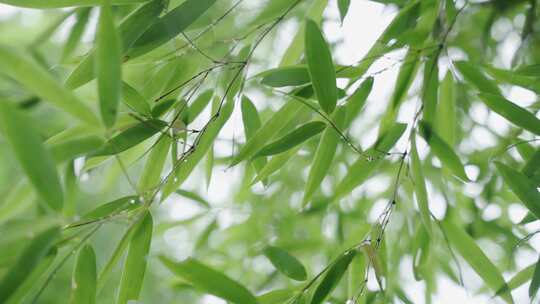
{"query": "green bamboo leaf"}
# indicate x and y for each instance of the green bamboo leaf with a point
(371, 254)
(169, 26)
(445, 121)
(324, 155)
(110, 208)
(321, 67)
(292, 139)
(131, 137)
(535, 282)
(194, 197)
(532, 70)
(430, 87)
(443, 151)
(285, 263)
(205, 141)
(277, 122)
(19, 295)
(136, 259)
(524, 189)
(343, 6)
(474, 256)
(151, 175)
(83, 282)
(35, 160)
(64, 3)
(72, 148)
(473, 75)
(198, 105)
(532, 165)
(133, 99)
(108, 66)
(274, 164)
(76, 33)
(286, 76)
(358, 99)
(275, 296)
(519, 279)
(130, 29)
(362, 168)
(37, 80)
(163, 106)
(512, 112)
(420, 187)
(332, 277)
(252, 123)
(27, 261)
(209, 280)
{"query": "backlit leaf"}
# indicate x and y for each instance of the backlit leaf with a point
(209, 280)
(524, 189)
(332, 277)
(35, 160)
(83, 289)
(292, 139)
(285, 263)
(512, 112)
(321, 67)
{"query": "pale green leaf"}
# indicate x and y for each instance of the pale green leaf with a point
(83, 283)
(285, 263)
(524, 189)
(35, 160)
(321, 67)
(512, 112)
(292, 139)
(209, 280)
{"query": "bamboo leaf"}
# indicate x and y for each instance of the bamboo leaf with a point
(131, 137)
(151, 175)
(194, 197)
(430, 87)
(362, 168)
(292, 139)
(420, 187)
(324, 155)
(274, 164)
(205, 141)
(76, 32)
(321, 67)
(532, 70)
(512, 112)
(285, 263)
(169, 26)
(252, 123)
(37, 80)
(35, 160)
(108, 66)
(358, 99)
(443, 151)
(445, 121)
(535, 282)
(136, 259)
(209, 280)
(130, 29)
(83, 288)
(286, 76)
(343, 6)
(473, 75)
(332, 277)
(268, 130)
(524, 189)
(70, 149)
(133, 99)
(26, 262)
(474, 256)
(198, 105)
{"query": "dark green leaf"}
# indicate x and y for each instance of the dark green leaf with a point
(343, 6)
(286, 76)
(512, 112)
(209, 280)
(64, 3)
(332, 277)
(169, 26)
(524, 189)
(473, 75)
(535, 282)
(83, 283)
(131, 137)
(292, 139)
(285, 263)
(136, 259)
(133, 99)
(321, 67)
